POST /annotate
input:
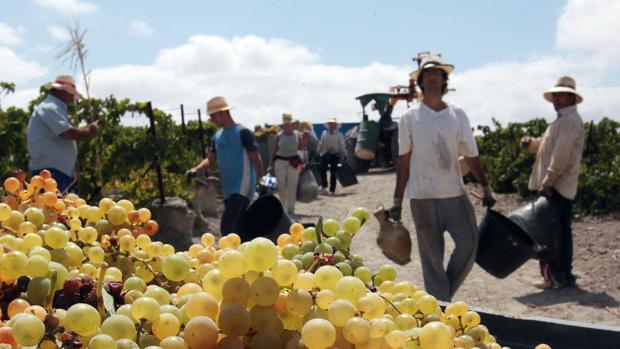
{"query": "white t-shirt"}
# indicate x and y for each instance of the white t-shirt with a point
(435, 140)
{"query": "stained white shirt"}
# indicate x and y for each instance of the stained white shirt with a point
(435, 141)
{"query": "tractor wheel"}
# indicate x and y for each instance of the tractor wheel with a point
(350, 140)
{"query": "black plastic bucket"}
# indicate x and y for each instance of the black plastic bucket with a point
(503, 245)
(265, 217)
(541, 220)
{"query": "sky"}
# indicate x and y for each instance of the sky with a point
(312, 58)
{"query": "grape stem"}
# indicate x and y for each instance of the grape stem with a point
(139, 329)
(392, 304)
(319, 230)
(50, 295)
(104, 267)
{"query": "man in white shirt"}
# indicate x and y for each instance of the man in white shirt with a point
(432, 135)
(556, 172)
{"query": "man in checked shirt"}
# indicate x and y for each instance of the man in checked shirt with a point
(555, 174)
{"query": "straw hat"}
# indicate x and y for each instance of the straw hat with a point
(216, 104)
(564, 84)
(64, 83)
(431, 61)
(287, 118)
(332, 121)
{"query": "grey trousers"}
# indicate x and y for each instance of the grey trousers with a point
(432, 217)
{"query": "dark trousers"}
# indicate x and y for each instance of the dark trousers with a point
(329, 161)
(560, 269)
(63, 181)
(234, 212)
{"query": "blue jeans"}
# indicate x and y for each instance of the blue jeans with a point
(62, 180)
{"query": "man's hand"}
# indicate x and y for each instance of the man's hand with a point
(525, 142)
(488, 200)
(395, 212)
(93, 128)
(545, 191)
(191, 174)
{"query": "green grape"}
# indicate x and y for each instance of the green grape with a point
(344, 238)
(201, 304)
(201, 332)
(62, 274)
(435, 335)
(117, 215)
(115, 273)
(104, 227)
(28, 330)
(308, 246)
(101, 341)
(327, 276)
(93, 214)
(376, 328)
(35, 216)
(299, 264)
(38, 289)
(96, 254)
(82, 319)
(260, 254)
(127, 243)
(330, 227)
(74, 255)
(397, 339)
(318, 334)
(126, 344)
(264, 291)
(171, 309)
(13, 264)
(15, 219)
(5, 212)
(387, 272)
(166, 325)
(351, 225)
(212, 283)
(305, 280)
(87, 234)
(234, 320)
(105, 204)
(350, 288)
(372, 305)
(56, 237)
(31, 240)
(173, 342)
(471, 319)
(307, 259)
(356, 330)
(299, 302)
(334, 242)
(289, 250)
(40, 251)
(119, 327)
(363, 273)
(157, 293)
(263, 318)
(36, 266)
(457, 309)
(325, 298)
(134, 283)
(345, 268)
(175, 267)
(340, 311)
(145, 308)
(339, 257)
(361, 213)
(231, 263)
(405, 321)
(126, 205)
(125, 310)
(284, 272)
(266, 339)
(309, 234)
(427, 304)
(236, 290)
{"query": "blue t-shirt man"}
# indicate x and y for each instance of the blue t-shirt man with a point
(234, 148)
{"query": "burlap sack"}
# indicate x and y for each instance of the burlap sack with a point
(393, 239)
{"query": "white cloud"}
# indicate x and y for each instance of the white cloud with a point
(68, 7)
(590, 25)
(17, 70)
(10, 35)
(140, 28)
(59, 32)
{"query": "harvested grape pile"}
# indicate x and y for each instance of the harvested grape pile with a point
(75, 275)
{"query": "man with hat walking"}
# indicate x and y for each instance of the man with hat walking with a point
(234, 148)
(51, 137)
(331, 150)
(432, 135)
(556, 172)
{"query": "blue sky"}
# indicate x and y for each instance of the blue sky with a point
(313, 57)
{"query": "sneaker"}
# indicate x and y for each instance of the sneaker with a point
(323, 191)
(332, 193)
(544, 285)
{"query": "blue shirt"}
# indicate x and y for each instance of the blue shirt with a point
(45, 146)
(237, 172)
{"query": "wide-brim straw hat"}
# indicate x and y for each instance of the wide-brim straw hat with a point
(564, 84)
(431, 61)
(64, 83)
(216, 104)
(332, 121)
(287, 118)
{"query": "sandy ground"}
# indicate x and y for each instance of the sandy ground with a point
(596, 259)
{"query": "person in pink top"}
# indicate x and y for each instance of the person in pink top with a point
(556, 172)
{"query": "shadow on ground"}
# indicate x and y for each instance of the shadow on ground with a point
(567, 295)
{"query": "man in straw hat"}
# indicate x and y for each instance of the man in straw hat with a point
(51, 137)
(556, 171)
(432, 135)
(235, 149)
(331, 150)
